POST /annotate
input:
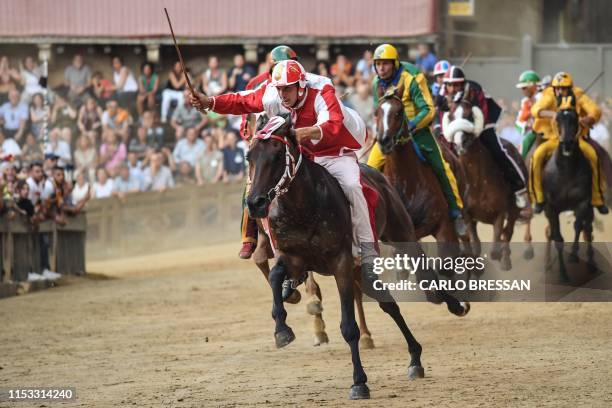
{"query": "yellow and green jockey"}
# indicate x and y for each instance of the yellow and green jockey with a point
(560, 95)
(420, 111)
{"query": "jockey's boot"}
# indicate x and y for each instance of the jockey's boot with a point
(538, 208)
(521, 200)
(247, 250)
(603, 209)
(459, 223)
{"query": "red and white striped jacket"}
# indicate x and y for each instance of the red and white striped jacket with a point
(342, 130)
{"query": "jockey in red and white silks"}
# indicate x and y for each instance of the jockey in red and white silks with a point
(332, 132)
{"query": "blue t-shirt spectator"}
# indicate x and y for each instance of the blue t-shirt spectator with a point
(426, 59)
(240, 74)
(233, 160)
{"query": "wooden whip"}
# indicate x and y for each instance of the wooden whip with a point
(178, 51)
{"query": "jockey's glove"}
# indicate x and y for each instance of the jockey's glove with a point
(411, 126)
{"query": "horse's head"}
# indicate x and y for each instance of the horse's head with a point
(568, 125)
(272, 162)
(462, 124)
(390, 119)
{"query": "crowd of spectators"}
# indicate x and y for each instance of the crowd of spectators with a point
(134, 132)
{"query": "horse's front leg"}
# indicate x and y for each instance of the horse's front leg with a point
(508, 231)
(573, 256)
(555, 235)
(588, 232)
(283, 334)
(528, 253)
(348, 325)
(496, 250)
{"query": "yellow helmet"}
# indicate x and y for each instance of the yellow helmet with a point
(387, 52)
(562, 79)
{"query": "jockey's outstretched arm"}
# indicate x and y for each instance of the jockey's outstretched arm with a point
(237, 103)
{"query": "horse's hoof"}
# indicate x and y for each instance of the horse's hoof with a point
(528, 254)
(505, 264)
(359, 391)
(573, 258)
(415, 372)
(320, 338)
(294, 298)
(284, 338)
(366, 342)
(462, 310)
(314, 307)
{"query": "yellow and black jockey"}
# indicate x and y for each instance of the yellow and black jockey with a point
(544, 111)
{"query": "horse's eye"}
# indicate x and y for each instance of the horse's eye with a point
(398, 114)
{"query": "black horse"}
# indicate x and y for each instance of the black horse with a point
(310, 224)
(567, 186)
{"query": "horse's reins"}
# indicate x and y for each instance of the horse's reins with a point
(399, 139)
(291, 167)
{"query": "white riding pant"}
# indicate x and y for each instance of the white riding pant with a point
(345, 169)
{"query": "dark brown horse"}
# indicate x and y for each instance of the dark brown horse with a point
(310, 225)
(489, 198)
(414, 179)
(567, 186)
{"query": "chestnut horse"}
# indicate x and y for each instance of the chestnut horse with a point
(489, 198)
(414, 179)
(310, 224)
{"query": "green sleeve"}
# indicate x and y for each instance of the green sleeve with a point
(375, 92)
(423, 102)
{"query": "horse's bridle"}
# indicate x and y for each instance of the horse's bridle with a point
(398, 138)
(291, 167)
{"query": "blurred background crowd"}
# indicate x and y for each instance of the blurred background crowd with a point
(136, 131)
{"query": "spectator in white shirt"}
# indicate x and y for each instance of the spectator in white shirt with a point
(186, 153)
(36, 181)
(103, 187)
(9, 147)
(158, 177)
(58, 147)
(30, 79)
(82, 188)
(13, 116)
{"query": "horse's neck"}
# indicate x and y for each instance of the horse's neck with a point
(403, 158)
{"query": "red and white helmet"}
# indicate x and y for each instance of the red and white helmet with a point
(441, 67)
(289, 72)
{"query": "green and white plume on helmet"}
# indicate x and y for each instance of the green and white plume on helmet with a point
(528, 78)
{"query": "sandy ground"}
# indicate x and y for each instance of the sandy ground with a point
(192, 328)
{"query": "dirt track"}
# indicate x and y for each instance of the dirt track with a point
(193, 329)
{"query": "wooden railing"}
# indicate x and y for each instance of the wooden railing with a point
(21, 247)
(142, 223)
(152, 221)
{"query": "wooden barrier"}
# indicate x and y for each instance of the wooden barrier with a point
(21, 248)
(152, 221)
(142, 223)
